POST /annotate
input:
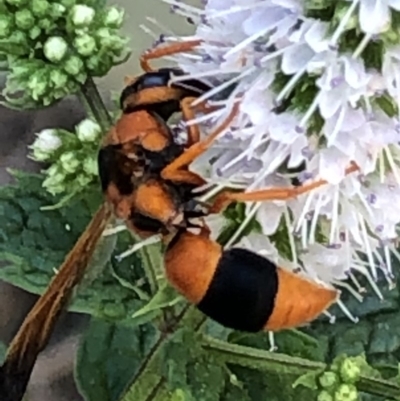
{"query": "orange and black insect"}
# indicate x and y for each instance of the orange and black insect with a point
(235, 287)
(146, 178)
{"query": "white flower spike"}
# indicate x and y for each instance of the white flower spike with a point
(318, 84)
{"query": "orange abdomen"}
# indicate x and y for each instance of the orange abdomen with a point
(240, 289)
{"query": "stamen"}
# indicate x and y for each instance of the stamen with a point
(335, 211)
(343, 22)
(271, 338)
(249, 215)
(342, 306)
(367, 246)
(148, 241)
(362, 45)
(349, 288)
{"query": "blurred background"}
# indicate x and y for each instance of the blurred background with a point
(52, 378)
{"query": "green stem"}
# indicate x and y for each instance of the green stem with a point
(285, 364)
(95, 105)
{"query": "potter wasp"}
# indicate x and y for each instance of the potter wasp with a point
(146, 179)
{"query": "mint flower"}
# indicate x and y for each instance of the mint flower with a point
(317, 85)
(72, 157)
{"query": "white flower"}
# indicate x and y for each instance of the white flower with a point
(46, 143)
(375, 14)
(314, 98)
(88, 131)
(55, 48)
(82, 15)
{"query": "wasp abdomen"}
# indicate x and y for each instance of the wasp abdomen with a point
(242, 292)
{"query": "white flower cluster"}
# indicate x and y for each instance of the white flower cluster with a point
(72, 157)
(319, 87)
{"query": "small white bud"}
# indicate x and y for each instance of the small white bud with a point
(82, 15)
(46, 143)
(114, 17)
(55, 48)
(87, 130)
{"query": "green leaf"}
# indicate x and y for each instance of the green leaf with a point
(34, 242)
(188, 367)
(109, 356)
(308, 380)
(165, 297)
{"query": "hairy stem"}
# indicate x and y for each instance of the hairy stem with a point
(285, 364)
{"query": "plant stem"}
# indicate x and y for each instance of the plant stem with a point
(281, 363)
(96, 106)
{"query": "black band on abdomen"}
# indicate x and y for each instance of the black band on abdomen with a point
(242, 293)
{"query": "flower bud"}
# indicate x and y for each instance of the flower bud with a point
(87, 130)
(99, 66)
(48, 140)
(40, 8)
(85, 45)
(110, 40)
(73, 65)
(56, 10)
(114, 17)
(34, 32)
(90, 166)
(346, 392)
(349, 371)
(24, 19)
(82, 180)
(324, 396)
(58, 79)
(55, 48)
(19, 38)
(69, 162)
(46, 143)
(6, 24)
(38, 84)
(328, 379)
(82, 15)
(54, 179)
(45, 24)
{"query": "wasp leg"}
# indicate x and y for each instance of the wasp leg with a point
(226, 197)
(188, 114)
(175, 171)
(168, 50)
